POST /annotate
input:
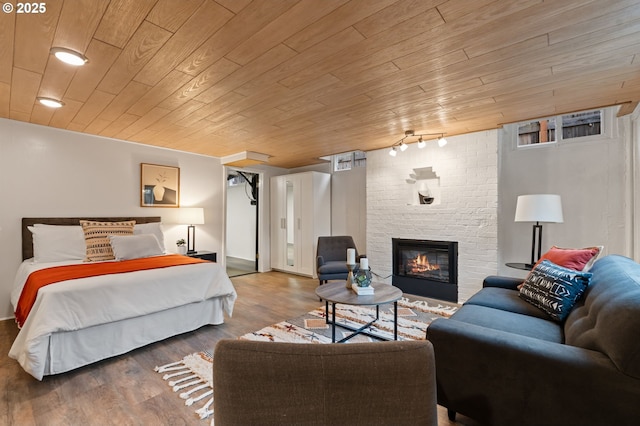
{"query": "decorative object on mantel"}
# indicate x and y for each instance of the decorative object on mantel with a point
(427, 186)
(182, 247)
(538, 208)
(402, 146)
(159, 186)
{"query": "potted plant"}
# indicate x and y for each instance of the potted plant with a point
(182, 248)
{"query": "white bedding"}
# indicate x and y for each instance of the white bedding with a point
(87, 302)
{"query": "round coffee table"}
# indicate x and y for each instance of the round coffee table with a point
(337, 292)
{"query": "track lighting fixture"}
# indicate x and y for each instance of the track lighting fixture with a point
(421, 143)
(69, 56)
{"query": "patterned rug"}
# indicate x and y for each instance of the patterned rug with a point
(192, 376)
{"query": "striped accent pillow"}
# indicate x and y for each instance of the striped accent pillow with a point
(96, 237)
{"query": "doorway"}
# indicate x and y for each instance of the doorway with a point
(242, 222)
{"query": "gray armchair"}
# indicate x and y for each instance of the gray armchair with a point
(271, 383)
(332, 257)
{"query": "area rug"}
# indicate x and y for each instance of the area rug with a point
(192, 377)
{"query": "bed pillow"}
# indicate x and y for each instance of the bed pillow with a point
(134, 246)
(154, 228)
(579, 259)
(57, 243)
(554, 289)
(96, 237)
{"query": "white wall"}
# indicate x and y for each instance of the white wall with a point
(594, 180)
(349, 205)
(51, 172)
(241, 223)
(465, 212)
(264, 213)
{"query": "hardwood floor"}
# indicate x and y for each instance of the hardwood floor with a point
(125, 390)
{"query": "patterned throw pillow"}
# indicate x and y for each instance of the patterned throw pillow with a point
(554, 289)
(96, 237)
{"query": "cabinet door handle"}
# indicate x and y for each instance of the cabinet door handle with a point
(299, 223)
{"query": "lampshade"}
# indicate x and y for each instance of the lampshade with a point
(539, 208)
(191, 215)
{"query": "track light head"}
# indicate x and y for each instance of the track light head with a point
(421, 143)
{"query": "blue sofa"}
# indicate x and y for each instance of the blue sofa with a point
(503, 361)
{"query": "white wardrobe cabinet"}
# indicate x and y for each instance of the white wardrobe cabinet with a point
(300, 213)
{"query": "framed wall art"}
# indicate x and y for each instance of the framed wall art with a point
(159, 186)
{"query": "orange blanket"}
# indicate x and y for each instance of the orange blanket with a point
(56, 274)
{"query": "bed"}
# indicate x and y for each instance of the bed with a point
(79, 321)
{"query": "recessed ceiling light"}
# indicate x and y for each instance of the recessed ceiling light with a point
(51, 103)
(69, 56)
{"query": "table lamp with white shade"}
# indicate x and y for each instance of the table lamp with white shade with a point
(191, 216)
(538, 208)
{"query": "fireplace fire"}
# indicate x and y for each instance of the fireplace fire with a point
(426, 268)
(420, 265)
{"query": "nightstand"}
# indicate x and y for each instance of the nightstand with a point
(206, 255)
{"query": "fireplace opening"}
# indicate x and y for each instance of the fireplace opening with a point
(426, 268)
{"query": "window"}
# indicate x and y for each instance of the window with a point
(571, 126)
(581, 124)
(349, 160)
(534, 132)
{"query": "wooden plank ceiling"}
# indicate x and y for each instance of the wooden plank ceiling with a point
(301, 79)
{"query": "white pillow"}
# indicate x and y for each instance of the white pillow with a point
(154, 228)
(57, 243)
(134, 246)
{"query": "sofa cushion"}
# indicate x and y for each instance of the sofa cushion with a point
(607, 319)
(333, 267)
(554, 289)
(510, 322)
(507, 300)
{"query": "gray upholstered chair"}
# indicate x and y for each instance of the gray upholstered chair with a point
(271, 383)
(332, 257)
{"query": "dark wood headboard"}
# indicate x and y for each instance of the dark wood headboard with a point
(27, 237)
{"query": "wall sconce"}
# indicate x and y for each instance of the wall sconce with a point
(421, 143)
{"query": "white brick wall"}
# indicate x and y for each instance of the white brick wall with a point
(467, 211)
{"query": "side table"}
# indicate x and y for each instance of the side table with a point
(517, 265)
(206, 255)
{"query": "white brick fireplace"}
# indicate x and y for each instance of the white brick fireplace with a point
(462, 180)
